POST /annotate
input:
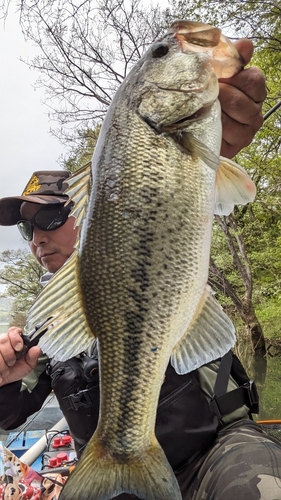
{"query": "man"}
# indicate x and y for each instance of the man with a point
(211, 442)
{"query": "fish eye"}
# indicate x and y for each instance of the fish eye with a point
(160, 49)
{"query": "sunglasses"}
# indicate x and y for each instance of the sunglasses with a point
(48, 218)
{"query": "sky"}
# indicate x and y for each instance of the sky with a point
(26, 144)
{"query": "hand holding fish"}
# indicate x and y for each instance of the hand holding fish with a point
(12, 369)
(241, 98)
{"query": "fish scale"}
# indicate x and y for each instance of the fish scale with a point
(137, 281)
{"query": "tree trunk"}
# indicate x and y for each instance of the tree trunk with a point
(244, 307)
(254, 327)
(257, 338)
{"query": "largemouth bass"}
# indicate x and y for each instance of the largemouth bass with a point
(137, 281)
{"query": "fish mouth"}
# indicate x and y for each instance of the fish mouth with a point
(186, 120)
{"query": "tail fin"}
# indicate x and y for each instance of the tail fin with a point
(101, 476)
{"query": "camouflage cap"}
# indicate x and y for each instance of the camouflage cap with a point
(44, 187)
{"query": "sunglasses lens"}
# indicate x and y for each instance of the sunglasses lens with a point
(49, 218)
(46, 219)
(26, 230)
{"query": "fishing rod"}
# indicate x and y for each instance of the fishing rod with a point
(26, 425)
(272, 110)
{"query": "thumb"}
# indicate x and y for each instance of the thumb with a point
(245, 48)
(32, 355)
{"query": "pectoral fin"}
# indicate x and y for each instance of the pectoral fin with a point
(199, 149)
(209, 337)
(233, 187)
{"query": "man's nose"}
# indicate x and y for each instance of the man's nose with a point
(39, 237)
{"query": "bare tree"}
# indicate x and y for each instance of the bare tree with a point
(21, 274)
(86, 49)
(218, 280)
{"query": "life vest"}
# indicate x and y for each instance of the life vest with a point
(186, 421)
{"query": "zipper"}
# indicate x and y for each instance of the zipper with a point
(168, 400)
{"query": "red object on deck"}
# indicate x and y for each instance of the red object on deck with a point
(63, 441)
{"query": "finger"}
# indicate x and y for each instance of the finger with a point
(4, 368)
(32, 356)
(21, 368)
(15, 336)
(8, 357)
(250, 81)
(238, 105)
(237, 135)
(245, 48)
